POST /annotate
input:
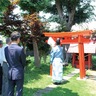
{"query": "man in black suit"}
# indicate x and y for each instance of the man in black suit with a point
(16, 59)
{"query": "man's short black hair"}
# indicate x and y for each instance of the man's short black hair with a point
(15, 35)
(58, 41)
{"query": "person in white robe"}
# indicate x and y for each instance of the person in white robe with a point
(57, 60)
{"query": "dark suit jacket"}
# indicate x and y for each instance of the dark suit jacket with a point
(16, 59)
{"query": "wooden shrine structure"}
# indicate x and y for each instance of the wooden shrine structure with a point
(79, 37)
(89, 49)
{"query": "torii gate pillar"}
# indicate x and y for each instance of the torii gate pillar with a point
(81, 57)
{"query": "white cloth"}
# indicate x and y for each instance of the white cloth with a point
(2, 55)
(51, 42)
(57, 72)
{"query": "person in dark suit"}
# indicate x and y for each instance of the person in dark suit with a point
(16, 59)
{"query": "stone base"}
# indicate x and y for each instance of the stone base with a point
(86, 77)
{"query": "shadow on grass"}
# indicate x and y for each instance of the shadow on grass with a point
(47, 90)
(29, 91)
(35, 76)
(61, 92)
(91, 77)
(34, 73)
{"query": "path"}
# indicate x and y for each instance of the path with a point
(52, 86)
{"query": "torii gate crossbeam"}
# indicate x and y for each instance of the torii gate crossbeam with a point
(79, 37)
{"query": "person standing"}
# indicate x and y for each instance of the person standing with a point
(5, 66)
(16, 59)
(57, 60)
(1, 62)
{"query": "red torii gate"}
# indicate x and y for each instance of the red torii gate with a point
(79, 37)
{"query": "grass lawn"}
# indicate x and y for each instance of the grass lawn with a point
(38, 78)
(35, 78)
(74, 87)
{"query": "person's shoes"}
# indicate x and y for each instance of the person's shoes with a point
(57, 83)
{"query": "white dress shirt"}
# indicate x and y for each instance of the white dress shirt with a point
(2, 55)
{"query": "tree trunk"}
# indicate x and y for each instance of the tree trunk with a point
(71, 18)
(43, 55)
(59, 9)
(67, 24)
(36, 53)
(68, 27)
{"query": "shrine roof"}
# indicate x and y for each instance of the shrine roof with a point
(88, 48)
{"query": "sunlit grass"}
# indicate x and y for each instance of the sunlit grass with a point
(74, 87)
(38, 78)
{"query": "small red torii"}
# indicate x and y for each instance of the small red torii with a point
(79, 37)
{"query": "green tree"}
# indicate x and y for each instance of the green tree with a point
(30, 28)
(69, 12)
(34, 6)
(36, 34)
(3, 6)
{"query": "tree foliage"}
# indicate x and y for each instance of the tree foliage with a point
(34, 5)
(3, 5)
(66, 12)
(81, 10)
(30, 27)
